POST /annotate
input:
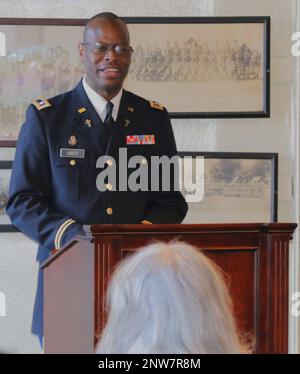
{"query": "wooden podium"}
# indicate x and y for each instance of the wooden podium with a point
(254, 256)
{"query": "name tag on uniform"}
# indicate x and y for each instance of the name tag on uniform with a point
(140, 139)
(72, 153)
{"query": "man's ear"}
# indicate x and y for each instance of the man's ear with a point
(80, 48)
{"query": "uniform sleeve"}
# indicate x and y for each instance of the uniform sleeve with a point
(30, 193)
(166, 206)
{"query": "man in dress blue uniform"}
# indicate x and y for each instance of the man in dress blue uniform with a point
(53, 189)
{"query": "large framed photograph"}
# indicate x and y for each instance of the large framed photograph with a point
(238, 187)
(195, 66)
(204, 66)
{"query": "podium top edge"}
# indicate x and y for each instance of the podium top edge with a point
(104, 229)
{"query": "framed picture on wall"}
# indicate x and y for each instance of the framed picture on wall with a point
(238, 187)
(39, 60)
(203, 67)
(5, 172)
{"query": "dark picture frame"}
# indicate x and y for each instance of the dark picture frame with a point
(5, 224)
(232, 28)
(165, 65)
(238, 187)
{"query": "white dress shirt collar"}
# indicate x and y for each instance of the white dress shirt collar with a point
(99, 103)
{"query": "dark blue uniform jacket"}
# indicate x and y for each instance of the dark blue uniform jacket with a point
(48, 190)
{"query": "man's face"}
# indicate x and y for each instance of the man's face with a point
(105, 71)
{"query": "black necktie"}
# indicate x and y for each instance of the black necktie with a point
(109, 121)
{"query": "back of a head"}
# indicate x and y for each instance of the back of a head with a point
(169, 298)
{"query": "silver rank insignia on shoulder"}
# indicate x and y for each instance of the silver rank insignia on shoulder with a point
(88, 122)
(127, 122)
(41, 104)
(72, 141)
(156, 105)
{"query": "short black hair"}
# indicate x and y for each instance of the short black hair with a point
(106, 15)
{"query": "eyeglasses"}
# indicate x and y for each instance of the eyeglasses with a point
(101, 49)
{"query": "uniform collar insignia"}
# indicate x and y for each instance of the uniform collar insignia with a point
(88, 122)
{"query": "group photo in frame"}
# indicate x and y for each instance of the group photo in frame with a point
(238, 187)
(197, 67)
(203, 67)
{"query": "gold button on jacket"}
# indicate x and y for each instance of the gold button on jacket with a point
(109, 211)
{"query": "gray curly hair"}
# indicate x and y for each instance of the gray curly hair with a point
(170, 299)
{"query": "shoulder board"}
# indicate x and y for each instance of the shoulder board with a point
(41, 104)
(156, 105)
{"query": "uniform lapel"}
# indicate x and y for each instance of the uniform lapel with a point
(125, 121)
(83, 113)
(87, 120)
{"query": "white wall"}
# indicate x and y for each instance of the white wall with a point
(275, 134)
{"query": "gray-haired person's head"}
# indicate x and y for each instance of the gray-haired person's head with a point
(169, 298)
